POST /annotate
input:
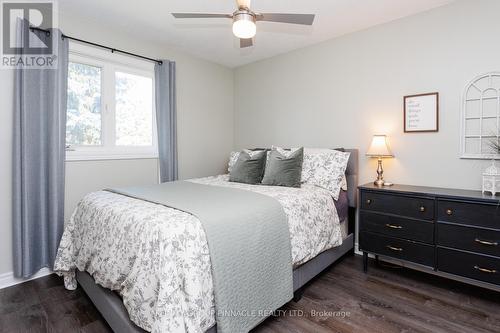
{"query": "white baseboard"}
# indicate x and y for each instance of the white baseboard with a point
(356, 249)
(8, 279)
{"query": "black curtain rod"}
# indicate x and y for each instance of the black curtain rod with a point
(113, 50)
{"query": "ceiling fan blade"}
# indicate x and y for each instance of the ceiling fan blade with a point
(306, 19)
(200, 15)
(243, 3)
(246, 42)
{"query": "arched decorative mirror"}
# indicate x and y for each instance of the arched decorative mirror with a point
(481, 117)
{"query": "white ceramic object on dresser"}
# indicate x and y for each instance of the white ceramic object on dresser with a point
(491, 179)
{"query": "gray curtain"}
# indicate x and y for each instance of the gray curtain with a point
(166, 119)
(38, 160)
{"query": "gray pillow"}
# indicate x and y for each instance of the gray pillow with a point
(284, 170)
(248, 169)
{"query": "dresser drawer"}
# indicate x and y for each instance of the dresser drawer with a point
(469, 238)
(416, 207)
(470, 265)
(397, 248)
(484, 215)
(394, 226)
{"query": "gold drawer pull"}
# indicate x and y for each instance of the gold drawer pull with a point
(369, 201)
(485, 270)
(392, 248)
(392, 226)
(449, 212)
(422, 209)
(480, 241)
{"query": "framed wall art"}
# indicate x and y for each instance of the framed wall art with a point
(421, 113)
(480, 130)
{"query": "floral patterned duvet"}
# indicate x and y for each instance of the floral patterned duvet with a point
(158, 258)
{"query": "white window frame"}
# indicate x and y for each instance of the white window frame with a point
(110, 63)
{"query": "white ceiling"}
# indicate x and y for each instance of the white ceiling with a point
(212, 39)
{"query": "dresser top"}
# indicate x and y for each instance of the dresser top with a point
(432, 191)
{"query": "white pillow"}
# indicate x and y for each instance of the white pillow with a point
(233, 157)
(325, 168)
(283, 151)
(343, 184)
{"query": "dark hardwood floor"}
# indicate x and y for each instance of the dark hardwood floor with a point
(343, 299)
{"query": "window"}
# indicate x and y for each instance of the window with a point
(134, 102)
(110, 110)
(83, 124)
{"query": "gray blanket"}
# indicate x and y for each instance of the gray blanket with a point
(249, 244)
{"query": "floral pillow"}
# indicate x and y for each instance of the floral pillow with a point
(233, 157)
(325, 168)
(343, 184)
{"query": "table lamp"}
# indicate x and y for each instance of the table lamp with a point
(379, 149)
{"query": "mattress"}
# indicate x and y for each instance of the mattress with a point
(158, 259)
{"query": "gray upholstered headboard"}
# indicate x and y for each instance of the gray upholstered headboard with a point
(352, 172)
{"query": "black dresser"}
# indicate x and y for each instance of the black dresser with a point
(452, 233)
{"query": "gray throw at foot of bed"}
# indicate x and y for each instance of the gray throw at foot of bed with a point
(249, 244)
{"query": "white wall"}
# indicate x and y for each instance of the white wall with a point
(205, 127)
(341, 92)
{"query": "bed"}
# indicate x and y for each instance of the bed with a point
(307, 263)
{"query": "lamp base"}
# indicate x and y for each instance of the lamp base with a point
(380, 174)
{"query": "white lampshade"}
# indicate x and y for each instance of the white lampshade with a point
(379, 147)
(244, 26)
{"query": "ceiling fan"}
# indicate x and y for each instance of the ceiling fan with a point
(244, 20)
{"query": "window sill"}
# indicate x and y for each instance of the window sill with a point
(98, 157)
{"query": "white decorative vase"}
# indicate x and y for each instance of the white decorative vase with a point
(491, 179)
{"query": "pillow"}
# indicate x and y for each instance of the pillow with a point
(343, 183)
(233, 157)
(248, 168)
(284, 168)
(325, 168)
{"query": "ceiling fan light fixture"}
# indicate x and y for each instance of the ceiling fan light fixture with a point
(244, 20)
(244, 25)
